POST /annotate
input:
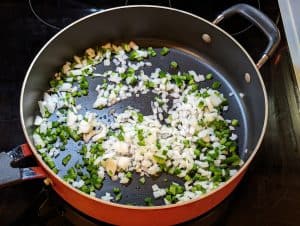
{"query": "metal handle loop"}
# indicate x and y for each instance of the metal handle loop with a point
(261, 21)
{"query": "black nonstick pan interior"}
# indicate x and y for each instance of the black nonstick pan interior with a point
(134, 192)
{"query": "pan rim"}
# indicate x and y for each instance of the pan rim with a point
(149, 208)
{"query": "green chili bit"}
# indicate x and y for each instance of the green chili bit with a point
(141, 138)
(85, 189)
(140, 117)
(177, 171)
(200, 104)
(216, 85)
(148, 201)
(160, 159)
(149, 84)
(55, 170)
(120, 136)
(126, 47)
(235, 122)
(158, 145)
(173, 65)
(162, 74)
(142, 180)
(128, 175)
(172, 191)
(66, 159)
(116, 190)
(132, 80)
(49, 161)
(197, 153)
(133, 55)
(151, 52)
(209, 76)
(164, 51)
(71, 174)
(118, 196)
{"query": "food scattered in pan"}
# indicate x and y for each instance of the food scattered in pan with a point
(186, 134)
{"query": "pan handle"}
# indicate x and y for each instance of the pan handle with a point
(11, 175)
(261, 21)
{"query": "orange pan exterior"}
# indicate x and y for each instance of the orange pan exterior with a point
(123, 215)
(137, 215)
(134, 215)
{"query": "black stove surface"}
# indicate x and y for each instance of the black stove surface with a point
(269, 194)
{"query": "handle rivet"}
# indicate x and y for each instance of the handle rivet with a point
(206, 38)
(247, 77)
(48, 181)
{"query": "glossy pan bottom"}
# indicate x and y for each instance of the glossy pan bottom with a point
(134, 192)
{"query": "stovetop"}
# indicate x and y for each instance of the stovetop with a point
(269, 194)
